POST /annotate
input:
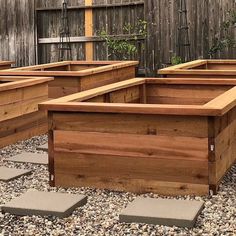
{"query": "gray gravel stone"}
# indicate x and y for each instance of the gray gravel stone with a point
(100, 215)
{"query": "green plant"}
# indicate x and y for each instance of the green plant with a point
(175, 60)
(125, 47)
(226, 40)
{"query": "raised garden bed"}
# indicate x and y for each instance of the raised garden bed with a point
(5, 65)
(19, 115)
(75, 76)
(144, 135)
(202, 69)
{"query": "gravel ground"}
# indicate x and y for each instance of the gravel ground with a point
(100, 215)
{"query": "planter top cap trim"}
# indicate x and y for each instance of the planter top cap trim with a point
(6, 62)
(191, 68)
(39, 70)
(77, 102)
(14, 82)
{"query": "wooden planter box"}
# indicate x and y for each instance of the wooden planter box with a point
(19, 115)
(202, 69)
(6, 64)
(144, 135)
(75, 76)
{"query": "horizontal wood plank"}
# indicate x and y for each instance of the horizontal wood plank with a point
(21, 108)
(132, 124)
(132, 185)
(112, 167)
(148, 146)
(22, 127)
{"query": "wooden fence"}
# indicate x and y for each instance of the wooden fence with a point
(29, 29)
(205, 20)
(17, 31)
(87, 20)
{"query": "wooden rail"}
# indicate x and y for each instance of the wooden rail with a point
(91, 6)
(83, 39)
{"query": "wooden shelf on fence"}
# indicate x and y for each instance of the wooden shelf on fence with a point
(91, 6)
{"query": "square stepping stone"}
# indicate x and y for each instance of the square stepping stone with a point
(44, 204)
(8, 174)
(43, 147)
(28, 157)
(181, 213)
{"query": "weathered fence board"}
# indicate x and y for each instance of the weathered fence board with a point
(17, 31)
(205, 20)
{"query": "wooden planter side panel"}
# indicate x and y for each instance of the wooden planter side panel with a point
(21, 101)
(140, 153)
(6, 64)
(66, 85)
(109, 77)
(199, 76)
(217, 66)
(224, 140)
(183, 94)
(22, 127)
(126, 95)
(74, 67)
(19, 115)
(201, 68)
(54, 68)
(63, 86)
(5, 67)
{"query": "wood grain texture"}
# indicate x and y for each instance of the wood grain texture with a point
(22, 128)
(112, 152)
(162, 125)
(62, 68)
(112, 137)
(131, 145)
(224, 140)
(69, 80)
(162, 97)
(13, 82)
(6, 65)
(120, 158)
(184, 93)
(138, 186)
(19, 115)
(202, 68)
(18, 32)
(19, 98)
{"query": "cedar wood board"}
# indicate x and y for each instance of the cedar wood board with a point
(109, 144)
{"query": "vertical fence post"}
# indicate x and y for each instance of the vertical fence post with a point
(88, 30)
